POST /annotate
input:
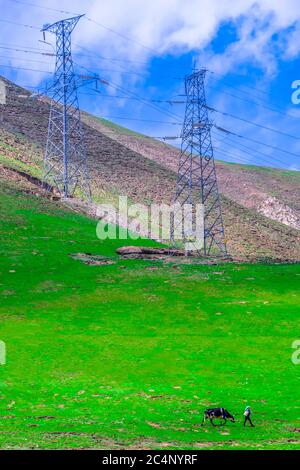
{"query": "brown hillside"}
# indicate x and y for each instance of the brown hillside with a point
(125, 163)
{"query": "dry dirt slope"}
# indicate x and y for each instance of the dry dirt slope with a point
(263, 224)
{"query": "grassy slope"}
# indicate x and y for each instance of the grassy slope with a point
(124, 355)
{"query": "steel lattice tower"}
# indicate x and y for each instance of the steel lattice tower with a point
(197, 179)
(65, 163)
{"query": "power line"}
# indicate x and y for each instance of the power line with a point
(226, 131)
(127, 38)
(246, 149)
(91, 54)
(252, 88)
(165, 138)
(122, 35)
(25, 68)
(121, 72)
(268, 108)
(37, 52)
(10, 44)
(246, 121)
(279, 110)
(111, 59)
(24, 59)
(123, 90)
(141, 120)
(19, 24)
(271, 129)
(34, 50)
(269, 162)
(31, 50)
(244, 161)
(172, 101)
(237, 158)
(120, 97)
(125, 71)
(46, 71)
(43, 7)
(53, 55)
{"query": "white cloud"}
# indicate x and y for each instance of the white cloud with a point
(168, 26)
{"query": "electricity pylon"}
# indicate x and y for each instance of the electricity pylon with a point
(65, 164)
(197, 179)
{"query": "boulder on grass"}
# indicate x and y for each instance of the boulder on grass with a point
(145, 250)
(129, 250)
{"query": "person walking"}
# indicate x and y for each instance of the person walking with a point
(247, 415)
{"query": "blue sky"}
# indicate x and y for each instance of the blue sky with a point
(144, 49)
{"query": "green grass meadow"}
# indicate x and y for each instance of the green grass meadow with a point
(128, 355)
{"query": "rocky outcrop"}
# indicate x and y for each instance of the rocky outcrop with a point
(275, 210)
